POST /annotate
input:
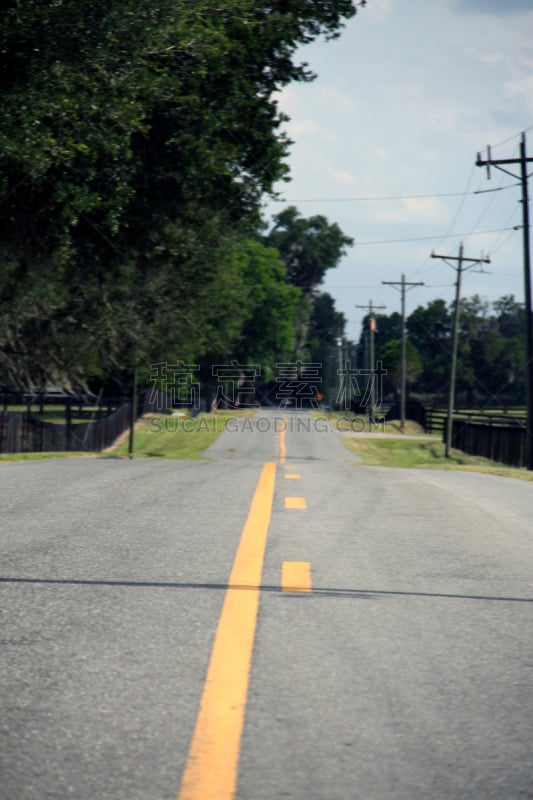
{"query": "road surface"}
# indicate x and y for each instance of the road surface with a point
(375, 641)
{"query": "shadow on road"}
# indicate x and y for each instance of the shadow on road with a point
(318, 591)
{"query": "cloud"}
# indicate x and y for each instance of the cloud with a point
(412, 210)
(491, 59)
(299, 128)
(379, 9)
(341, 176)
(497, 7)
(521, 88)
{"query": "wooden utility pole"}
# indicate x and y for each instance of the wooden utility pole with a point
(460, 268)
(340, 379)
(133, 414)
(403, 390)
(371, 358)
(523, 161)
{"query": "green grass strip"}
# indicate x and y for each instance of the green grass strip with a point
(424, 454)
(184, 437)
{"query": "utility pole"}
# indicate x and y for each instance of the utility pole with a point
(133, 413)
(523, 161)
(338, 342)
(403, 390)
(371, 358)
(460, 268)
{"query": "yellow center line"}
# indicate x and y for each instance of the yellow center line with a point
(292, 475)
(295, 502)
(295, 576)
(212, 765)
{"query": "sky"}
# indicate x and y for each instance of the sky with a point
(403, 102)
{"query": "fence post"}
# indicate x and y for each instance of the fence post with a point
(68, 425)
(133, 414)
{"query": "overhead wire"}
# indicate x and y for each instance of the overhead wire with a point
(391, 197)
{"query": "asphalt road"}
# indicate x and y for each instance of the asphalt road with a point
(390, 656)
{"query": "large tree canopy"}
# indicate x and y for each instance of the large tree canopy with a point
(136, 139)
(308, 246)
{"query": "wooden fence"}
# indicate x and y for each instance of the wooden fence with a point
(501, 439)
(23, 432)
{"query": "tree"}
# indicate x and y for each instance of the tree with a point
(268, 333)
(391, 356)
(429, 331)
(327, 326)
(135, 140)
(258, 315)
(308, 247)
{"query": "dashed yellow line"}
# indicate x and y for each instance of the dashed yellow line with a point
(292, 475)
(212, 765)
(296, 576)
(295, 502)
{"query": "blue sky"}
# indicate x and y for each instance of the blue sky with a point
(402, 103)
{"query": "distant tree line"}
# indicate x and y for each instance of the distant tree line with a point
(490, 367)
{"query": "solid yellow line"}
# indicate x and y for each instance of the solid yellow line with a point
(212, 765)
(295, 576)
(295, 502)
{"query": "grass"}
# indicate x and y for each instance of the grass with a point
(36, 456)
(424, 454)
(346, 421)
(158, 436)
(163, 436)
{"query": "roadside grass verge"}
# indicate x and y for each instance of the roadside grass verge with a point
(346, 421)
(37, 456)
(424, 454)
(157, 436)
(163, 436)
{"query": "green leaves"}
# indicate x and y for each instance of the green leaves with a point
(308, 247)
(136, 143)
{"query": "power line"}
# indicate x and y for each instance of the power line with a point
(432, 238)
(389, 197)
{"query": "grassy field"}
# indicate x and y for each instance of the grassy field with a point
(424, 453)
(163, 436)
(345, 421)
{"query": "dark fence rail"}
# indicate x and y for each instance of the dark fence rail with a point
(436, 418)
(501, 439)
(22, 432)
(435, 421)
